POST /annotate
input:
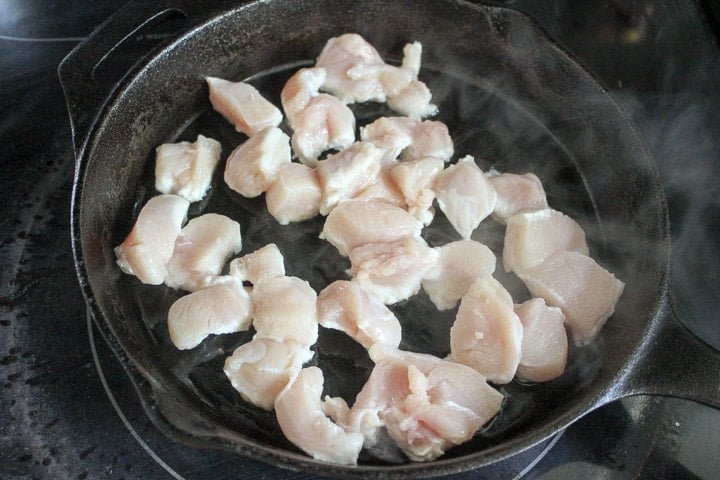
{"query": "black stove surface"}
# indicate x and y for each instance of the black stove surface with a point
(67, 409)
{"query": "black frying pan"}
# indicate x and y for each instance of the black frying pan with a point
(511, 98)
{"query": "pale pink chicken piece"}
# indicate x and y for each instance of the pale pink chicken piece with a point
(357, 222)
(295, 194)
(409, 139)
(393, 271)
(384, 189)
(300, 412)
(347, 173)
(405, 93)
(465, 195)
(300, 88)
(427, 404)
(353, 66)
(284, 308)
(487, 333)
(415, 180)
(345, 306)
(531, 237)
(431, 138)
(150, 244)
(517, 193)
(391, 134)
(324, 124)
(243, 106)
(584, 291)
(262, 367)
(201, 249)
(263, 264)
(254, 165)
(185, 168)
(545, 344)
(459, 264)
(214, 310)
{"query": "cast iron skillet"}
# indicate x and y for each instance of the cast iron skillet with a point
(511, 98)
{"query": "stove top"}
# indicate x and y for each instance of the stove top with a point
(67, 410)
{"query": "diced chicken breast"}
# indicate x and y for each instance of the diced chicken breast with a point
(185, 168)
(347, 173)
(412, 58)
(415, 180)
(243, 106)
(263, 264)
(517, 193)
(427, 404)
(465, 195)
(459, 264)
(487, 333)
(391, 134)
(352, 67)
(393, 271)
(325, 123)
(215, 310)
(253, 166)
(300, 88)
(262, 367)
(345, 306)
(200, 252)
(150, 244)
(384, 189)
(357, 222)
(584, 291)
(301, 415)
(414, 100)
(285, 309)
(295, 194)
(544, 344)
(531, 237)
(431, 138)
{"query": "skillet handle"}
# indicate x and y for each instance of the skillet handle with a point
(674, 362)
(81, 72)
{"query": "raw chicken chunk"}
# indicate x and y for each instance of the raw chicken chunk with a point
(185, 168)
(201, 250)
(150, 244)
(357, 222)
(325, 123)
(487, 333)
(405, 93)
(391, 134)
(393, 271)
(301, 415)
(285, 309)
(531, 237)
(385, 188)
(261, 368)
(215, 310)
(409, 139)
(415, 180)
(300, 88)
(465, 195)
(517, 193)
(584, 291)
(459, 264)
(347, 173)
(544, 343)
(295, 194)
(263, 264)
(243, 106)
(345, 306)
(427, 404)
(254, 165)
(353, 67)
